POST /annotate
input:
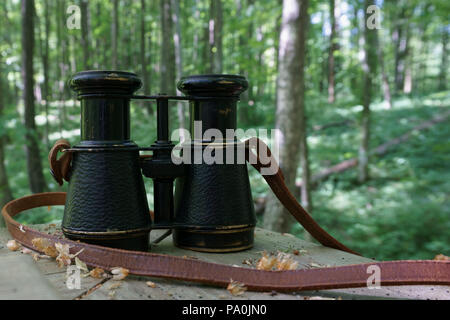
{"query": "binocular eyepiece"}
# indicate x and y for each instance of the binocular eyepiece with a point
(211, 208)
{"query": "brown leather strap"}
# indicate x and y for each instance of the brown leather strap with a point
(157, 265)
(392, 273)
(281, 191)
(60, 168)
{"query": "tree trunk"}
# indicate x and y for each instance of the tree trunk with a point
(290, 117)
(407, 84)
(167, 66)
(444, 61)
(144, 62)
(244, 48)
(45, 66)
(62, 61)
(369, 69)
(215, 36)
(34, 165)
(401, 39)
(333, 48)
(178, 58)
(195, 36)
(384, 77)
(420, 83)
(84, 5)
(115, 34)
(5, 190)
(99, 53)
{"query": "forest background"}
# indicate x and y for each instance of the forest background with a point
(358, 88)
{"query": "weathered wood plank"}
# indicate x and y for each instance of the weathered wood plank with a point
(308, 255)
(44, 277)
(20, 279)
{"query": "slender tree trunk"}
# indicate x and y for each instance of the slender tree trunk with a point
(369, 69)
(44, 55)
(333, 48)
(115, 34)
(420, 83)
(444, 61)
(205, 66)
(99, 54)
(261, 73)
(34, 165)
(167, 62)
(178, 58)
(401, 40)
(215, 36)
(167, 66)
(244, 48)
(290, 117)
(408, 80)
(46, 67)
(84, 5)
(384, 77)
(195, 36)
(72, 52)
(126, 36)
(143, 57)
(62, 61)
(5, 190)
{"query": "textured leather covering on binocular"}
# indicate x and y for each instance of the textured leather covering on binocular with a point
(106, 193)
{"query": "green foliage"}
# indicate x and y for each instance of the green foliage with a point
(402, 212)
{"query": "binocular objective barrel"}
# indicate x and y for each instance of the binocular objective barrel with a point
(106, 201)
(214, 209)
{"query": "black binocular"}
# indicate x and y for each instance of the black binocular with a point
(211, 208)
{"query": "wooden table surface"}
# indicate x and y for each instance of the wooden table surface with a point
(23, 278)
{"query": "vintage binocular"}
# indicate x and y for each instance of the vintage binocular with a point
(211, 208)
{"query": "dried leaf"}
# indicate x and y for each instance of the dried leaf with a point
(115, 285)
(41, 243)
(97, 273)
(63, 261)
(267, 262)
(44, 245)
(13, 245)
(441, 257)
(26, 251)
(151, 284)
(285, 262)
(236, 288)
(51, 251)
(315, 265)
(247, 262)
(119, 273)
(80, 264)
(63, 249)
(64, 257)
(288, 235)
